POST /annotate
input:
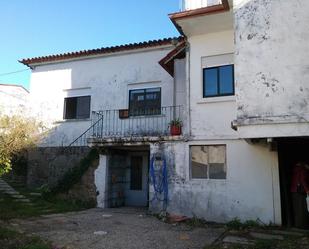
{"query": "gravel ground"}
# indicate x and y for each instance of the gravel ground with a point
(116, 228)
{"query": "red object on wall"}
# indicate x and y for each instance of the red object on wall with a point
(300, 178)
(175, 130)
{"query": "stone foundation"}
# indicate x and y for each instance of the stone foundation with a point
(47, 165)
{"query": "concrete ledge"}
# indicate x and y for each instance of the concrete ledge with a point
(132, 140)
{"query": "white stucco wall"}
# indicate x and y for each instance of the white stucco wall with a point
(13, 100)
(195, 4)
(107, 79)
(101, 182)
(249, 192)
(271, 66)
(251, 189)
(210, 117)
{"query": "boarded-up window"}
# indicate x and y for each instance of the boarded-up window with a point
(77, 107)
(208, 161)
(136, 173)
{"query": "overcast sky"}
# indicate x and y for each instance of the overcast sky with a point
(41, 27)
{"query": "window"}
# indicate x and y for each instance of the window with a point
(208, 161)
(77, 107)
(145, 102)
(218, 81)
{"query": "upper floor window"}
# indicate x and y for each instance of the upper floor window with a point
(145, 101)
(218, 81)
(77, 107)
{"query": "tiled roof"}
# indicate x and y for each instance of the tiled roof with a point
(103, 50)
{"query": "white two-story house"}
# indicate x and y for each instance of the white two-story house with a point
(217, 79)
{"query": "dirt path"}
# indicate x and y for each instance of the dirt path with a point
(116, 228)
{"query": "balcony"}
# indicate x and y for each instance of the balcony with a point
(196, 4)
(123, 125)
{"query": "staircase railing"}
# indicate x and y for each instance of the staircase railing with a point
(92, 131)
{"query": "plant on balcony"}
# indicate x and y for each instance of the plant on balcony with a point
(175, 127)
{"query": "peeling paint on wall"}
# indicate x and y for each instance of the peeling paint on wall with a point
(271, 65)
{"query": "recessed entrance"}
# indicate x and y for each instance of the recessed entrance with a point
(127, 172)
(290, 152)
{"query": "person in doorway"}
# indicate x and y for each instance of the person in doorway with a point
(300, 190)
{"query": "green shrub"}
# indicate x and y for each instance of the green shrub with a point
(251, 223)
(234, 224)
(264, 244)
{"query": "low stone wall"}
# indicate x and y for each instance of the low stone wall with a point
(46, 165)
(85, 190)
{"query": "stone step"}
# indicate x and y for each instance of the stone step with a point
(10, 192)
(22, 200)
(288, 233)
(266, 236)
(6, 189)
(237, 240)
(18, 196)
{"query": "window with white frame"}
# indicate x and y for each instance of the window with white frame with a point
(208, 161)
(218, 81)
(218, 76)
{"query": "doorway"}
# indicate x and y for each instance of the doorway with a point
(290, 151)
(127, 177)
(137, 180)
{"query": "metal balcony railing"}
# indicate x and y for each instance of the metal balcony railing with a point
(124, 123)
(137, 123)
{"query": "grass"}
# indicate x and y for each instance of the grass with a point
(242, 229)
(10, 208)
(236, 224)
(10, 239)
(287, 243)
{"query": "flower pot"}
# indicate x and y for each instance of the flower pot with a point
(175, 130)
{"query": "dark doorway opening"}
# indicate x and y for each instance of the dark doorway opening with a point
(290, 152)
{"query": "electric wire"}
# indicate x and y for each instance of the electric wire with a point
(14, 72)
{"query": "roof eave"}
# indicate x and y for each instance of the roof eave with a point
(209, 10)
(168, 61)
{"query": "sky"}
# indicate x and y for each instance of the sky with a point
(31, 28)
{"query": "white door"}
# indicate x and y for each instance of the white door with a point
(137, 180)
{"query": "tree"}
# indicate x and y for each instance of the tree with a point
(17, 134)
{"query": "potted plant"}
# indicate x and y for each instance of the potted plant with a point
(175, 127)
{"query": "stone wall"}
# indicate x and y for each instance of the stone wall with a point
(46, 165)
(85, 190)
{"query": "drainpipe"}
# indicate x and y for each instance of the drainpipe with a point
(188, 67)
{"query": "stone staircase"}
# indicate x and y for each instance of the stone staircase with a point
(7, 189)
